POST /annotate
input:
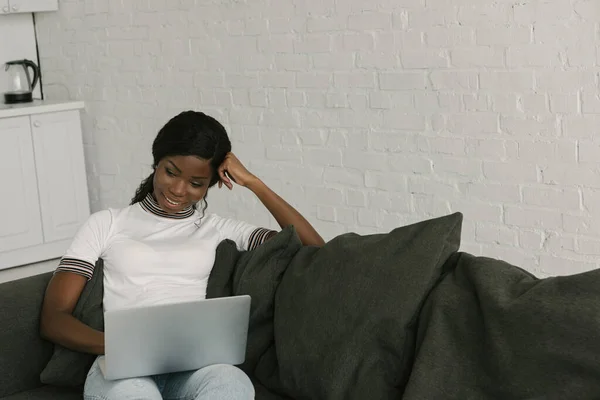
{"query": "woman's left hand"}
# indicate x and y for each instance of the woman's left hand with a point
(232, 169)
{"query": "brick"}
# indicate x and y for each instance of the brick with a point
(562, 199)
(378, 61)
(326, 213)
(280, 118)
(565, 81)
(456, 168)
(530, 126)
(425, 185)
(497, 234)
(564, 33)
(291, 62)
(438, 102)
(494, 192)
(370, 21)
(476, 102)
(394, 119)
(506, 81)
(533, 56)
(385, 181)
(276, 98)
(313, 80)
(402, 81)
(276, 79)
(430, 205)
(473, 123)
(477, 57)
(431, 16)
(441, 145)
(353, 42)
(581, 56)
(526, 13)
(410, 164)
(447, 37)
(532, 217)
(503, 35)
(454, 80)
(581, 126)
(486, 149)
(325, 196)
(548, 151)
(345, 215)
(246, 80)
(326, 23)
(357, 79)
(506, 103)
(588, 10)
(568, 175)
(531, 239)
(333, 61)
(534, 103)
(279, 153)
(356, 198)
(313, 43)
(484, 14)
(365, 161)
(409, 39)
(392, 142)
(590, 103)
(283, 25)
(426, 58)
(368, 218)
(343, 176)
(563, 103)
(505, 172)
(278, 43)
(337, 100)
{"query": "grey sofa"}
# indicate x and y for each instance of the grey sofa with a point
(23, 353)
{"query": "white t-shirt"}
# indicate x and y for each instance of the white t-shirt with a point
(151, 257)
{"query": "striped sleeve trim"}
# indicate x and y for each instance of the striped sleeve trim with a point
(76, 266)
(258, 237)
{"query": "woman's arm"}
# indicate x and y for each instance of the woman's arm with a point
(283, 213)
(57, 323)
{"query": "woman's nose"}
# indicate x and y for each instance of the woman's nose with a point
(178, 188)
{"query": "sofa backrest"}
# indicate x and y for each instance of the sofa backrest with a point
(23, 353)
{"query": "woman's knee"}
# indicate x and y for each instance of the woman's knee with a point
(224, 379)
(98, 388)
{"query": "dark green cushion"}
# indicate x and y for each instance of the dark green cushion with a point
(345, 314)
(47, 393)
(256, 273)
(67, 367)
(23, 353)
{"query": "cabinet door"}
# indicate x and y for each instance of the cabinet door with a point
(60, 167)
(30, 6)
(20, 224)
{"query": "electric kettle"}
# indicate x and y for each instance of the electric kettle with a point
(20, 83)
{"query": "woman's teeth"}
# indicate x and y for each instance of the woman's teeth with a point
(172, 202)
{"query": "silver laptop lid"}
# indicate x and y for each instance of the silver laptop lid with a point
(175, 337)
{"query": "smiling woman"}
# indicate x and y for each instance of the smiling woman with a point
(161, 249)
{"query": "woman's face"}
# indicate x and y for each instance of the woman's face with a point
(181, 181)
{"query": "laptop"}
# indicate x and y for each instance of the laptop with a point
(175, 337)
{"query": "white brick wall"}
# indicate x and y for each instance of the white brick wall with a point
(366, 115)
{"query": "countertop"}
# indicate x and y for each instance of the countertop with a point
(38, 107)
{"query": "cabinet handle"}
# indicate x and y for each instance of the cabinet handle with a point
(15, 8)
(37, 124)
(6, 9)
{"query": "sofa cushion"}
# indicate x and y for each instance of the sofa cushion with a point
(47, 393)
(256, 273)
(345, 315)
(23, 353)
(67, 367)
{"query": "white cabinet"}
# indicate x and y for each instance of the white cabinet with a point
(27, 6)
(19, 212)
(43, 194)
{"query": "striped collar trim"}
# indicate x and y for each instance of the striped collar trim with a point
(150, 205)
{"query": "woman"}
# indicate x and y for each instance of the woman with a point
(161, 249)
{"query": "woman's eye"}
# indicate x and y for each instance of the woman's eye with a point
(197, 185)
(169, 172)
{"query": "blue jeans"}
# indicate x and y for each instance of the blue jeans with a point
(215, 382)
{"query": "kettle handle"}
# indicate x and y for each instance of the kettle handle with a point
(36, 72)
